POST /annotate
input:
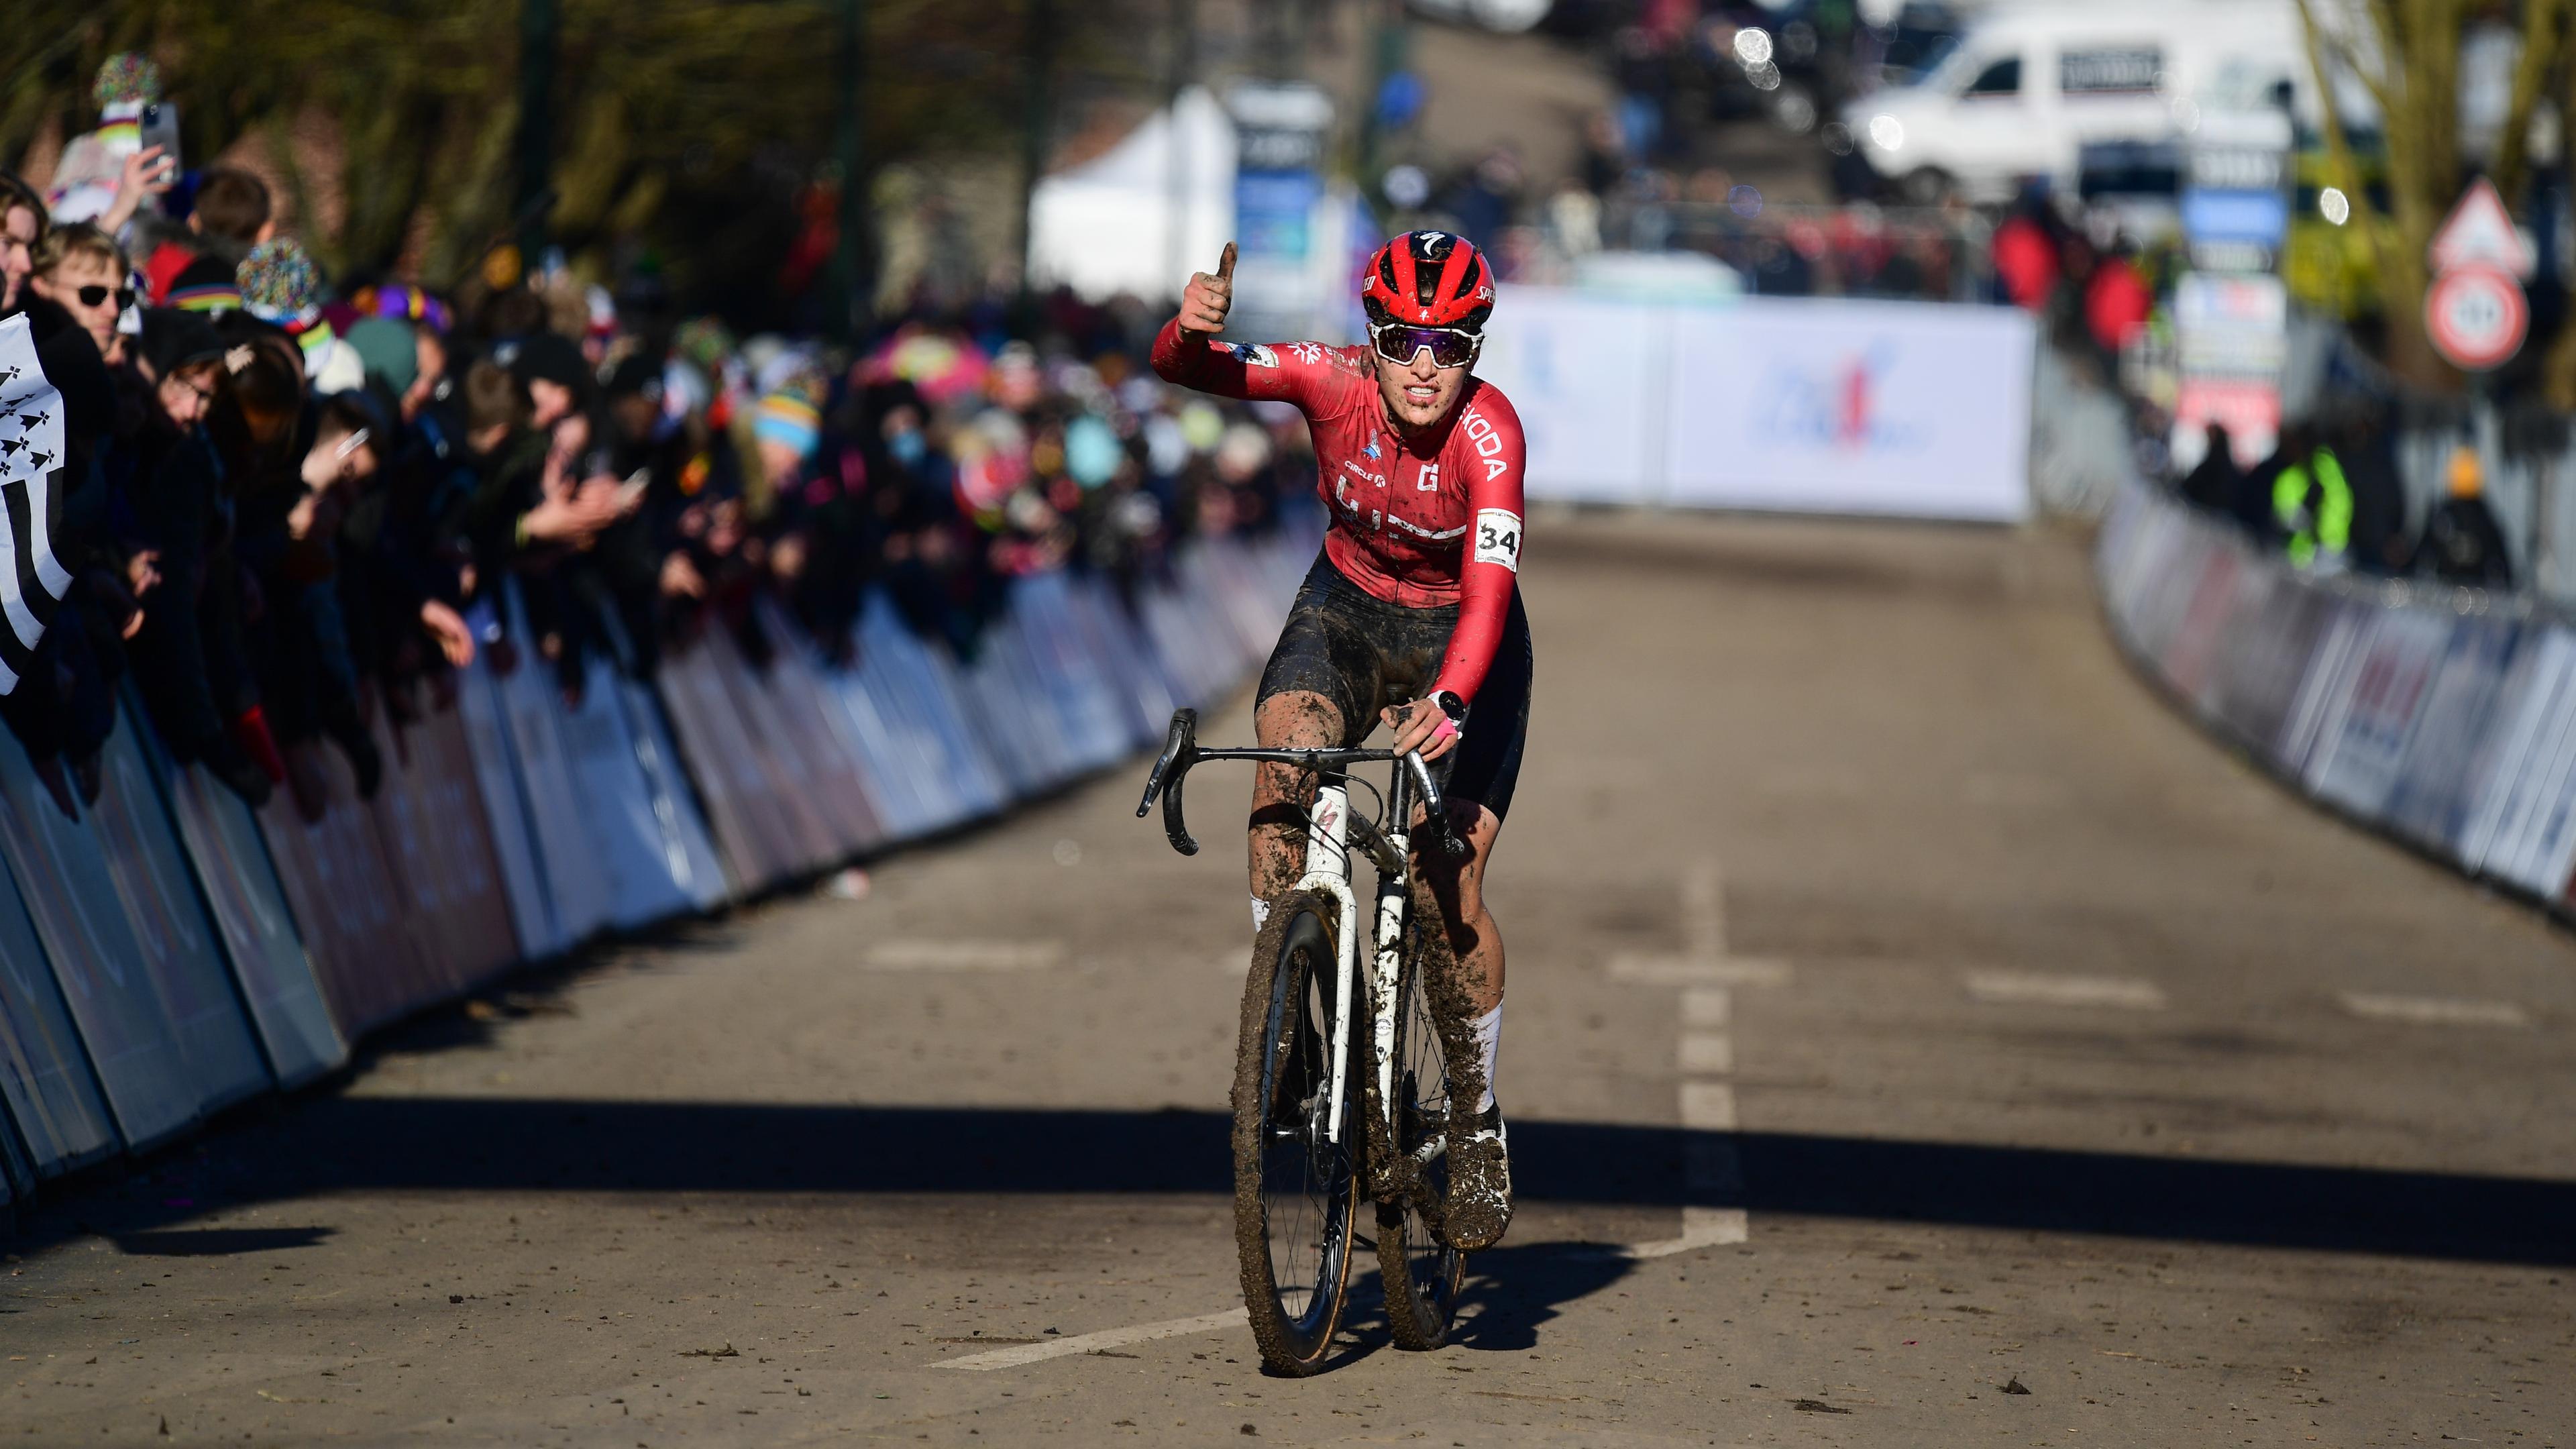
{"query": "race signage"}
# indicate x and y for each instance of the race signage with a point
(2233, 336)
(1281, 134)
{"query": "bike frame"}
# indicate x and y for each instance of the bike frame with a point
(1328, 872)
(1329, 829)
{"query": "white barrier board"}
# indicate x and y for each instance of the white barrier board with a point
(1803, 405)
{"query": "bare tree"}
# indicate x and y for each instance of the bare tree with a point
(2406, 54)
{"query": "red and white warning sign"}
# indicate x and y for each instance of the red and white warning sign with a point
(2476, 317)
(2479, 233)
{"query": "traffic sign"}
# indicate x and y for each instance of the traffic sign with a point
(2476, 317)
(2480, 234)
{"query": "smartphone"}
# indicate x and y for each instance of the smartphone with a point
(161, 128)
(630, 492)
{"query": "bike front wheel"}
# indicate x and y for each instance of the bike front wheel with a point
(1295, 1190)
(1421, 1274)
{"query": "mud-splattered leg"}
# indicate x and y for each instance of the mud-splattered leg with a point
(1292, 720)
(1460, 952)
(1466, 978)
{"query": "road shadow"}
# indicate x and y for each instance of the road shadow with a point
(343, 1143)
(1512, 1290)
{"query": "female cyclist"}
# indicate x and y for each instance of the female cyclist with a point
(1411, 617)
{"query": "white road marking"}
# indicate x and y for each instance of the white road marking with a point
(1707, 1007)
(2435, 1010)
(1711, 1163)
(1028, 1353)
(919, 955)
(1649, 970)
(1707, 1051)
(1702, 1227)
(1708, 1107)
(2049, 989)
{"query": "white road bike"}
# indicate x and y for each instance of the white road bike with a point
(1317, 1126)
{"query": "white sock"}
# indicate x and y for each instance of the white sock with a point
(1489, 1045)
(1260, 914)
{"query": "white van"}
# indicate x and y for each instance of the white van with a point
(2030, 85)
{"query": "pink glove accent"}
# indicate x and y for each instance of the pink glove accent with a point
(1446, 729)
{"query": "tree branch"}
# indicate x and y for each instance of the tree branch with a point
(2544, 40)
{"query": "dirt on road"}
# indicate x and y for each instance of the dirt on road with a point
(1917, 1035)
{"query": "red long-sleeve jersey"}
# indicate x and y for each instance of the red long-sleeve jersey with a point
(1416, 527)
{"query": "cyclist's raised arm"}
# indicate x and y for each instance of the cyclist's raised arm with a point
(1188, 350)
(1491, 561)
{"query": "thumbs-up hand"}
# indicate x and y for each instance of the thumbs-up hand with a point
(1205, 301)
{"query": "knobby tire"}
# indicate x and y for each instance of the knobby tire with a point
(1421, 1274)
(1296, 1198)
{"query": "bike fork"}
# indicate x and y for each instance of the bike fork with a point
(1328, 871)
(1386, 979)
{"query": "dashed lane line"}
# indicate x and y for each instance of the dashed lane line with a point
(909, 954)
(1710, 1052)
(1707, 1008)
(2435, 1010)
(1712, 1167)
(1029, 1353)
(1645, 970)
(2031, 988)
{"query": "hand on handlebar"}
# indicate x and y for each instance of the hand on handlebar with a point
(1417, 727)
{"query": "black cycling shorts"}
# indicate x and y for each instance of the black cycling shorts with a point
(1364, 654)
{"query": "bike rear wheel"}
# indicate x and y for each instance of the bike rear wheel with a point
(1421, 1274)
(1295, 1190)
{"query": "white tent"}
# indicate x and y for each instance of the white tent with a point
(1145, 214)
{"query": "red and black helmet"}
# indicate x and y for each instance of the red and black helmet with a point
(1429, 279)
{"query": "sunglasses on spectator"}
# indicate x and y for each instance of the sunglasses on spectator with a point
(1449, 346)
(93, 294)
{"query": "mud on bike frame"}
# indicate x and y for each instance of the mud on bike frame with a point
(1402, 1116)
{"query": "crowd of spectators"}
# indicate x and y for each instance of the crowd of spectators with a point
(293, 502)
(1625, 197)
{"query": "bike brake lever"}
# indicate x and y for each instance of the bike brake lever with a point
(1435, 812)
(1171, 768)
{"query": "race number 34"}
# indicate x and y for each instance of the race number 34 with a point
(1498, 538)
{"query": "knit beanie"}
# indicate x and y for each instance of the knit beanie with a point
(206, 284)
(279, 284)
(387, 349)
(788, 417)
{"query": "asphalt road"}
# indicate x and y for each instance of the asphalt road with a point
(2064, 1081)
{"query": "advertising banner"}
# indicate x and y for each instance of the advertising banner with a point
(97, 959)
(2523, 827)
(2362, 746)
(1820, 406)
(719, 755)
(2432, 800)
(2209, 606)
(2266, 659)
(182, 956)
(577, 889)
(45, 1079)
(688, 852)
(2233, 336)
(437, 835)
(1589, 377)
(347, 900)
(496, 781)
(818, 743)
(250, 914)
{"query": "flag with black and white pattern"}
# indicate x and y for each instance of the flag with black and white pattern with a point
(32, 580)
